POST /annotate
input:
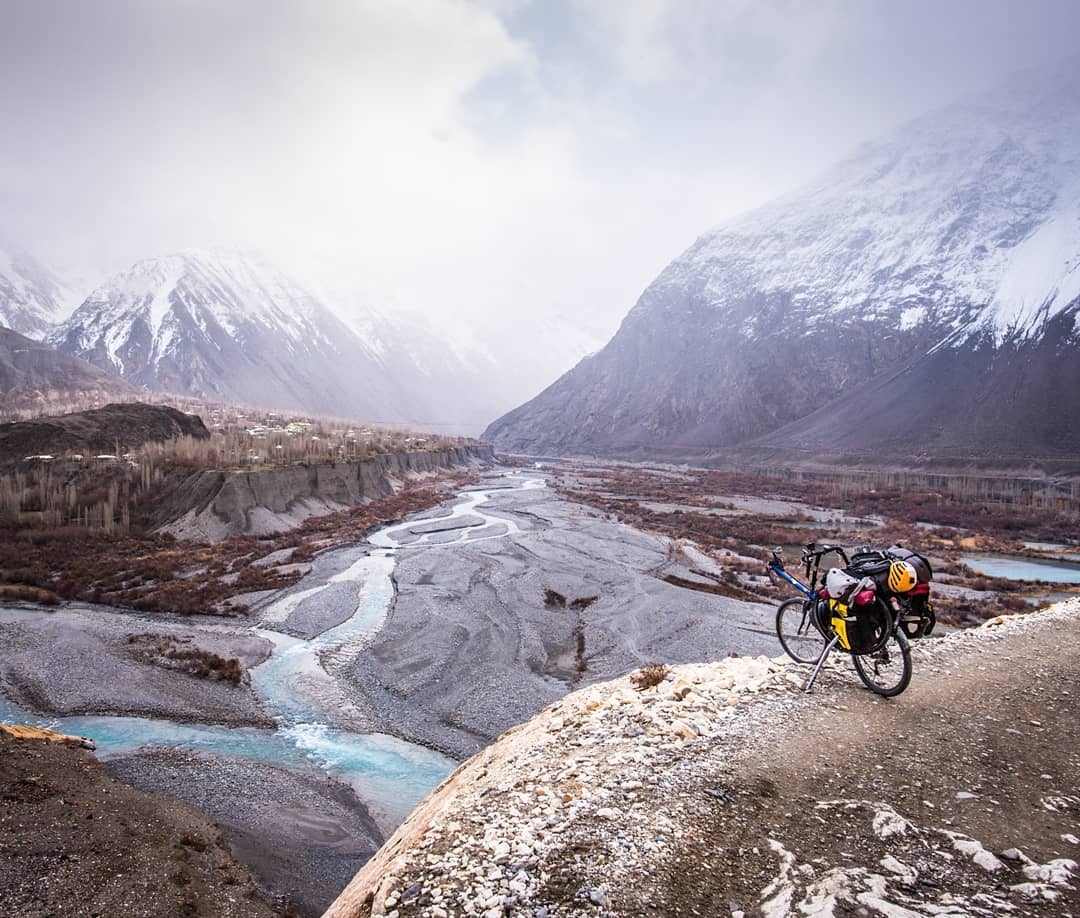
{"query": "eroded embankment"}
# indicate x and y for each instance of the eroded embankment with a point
(211, 505)
(725, 790)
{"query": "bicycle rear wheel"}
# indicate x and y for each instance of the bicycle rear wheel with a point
(886, 671)
(798, 634)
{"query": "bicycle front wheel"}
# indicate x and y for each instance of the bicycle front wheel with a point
(886, 671)
(798, 635)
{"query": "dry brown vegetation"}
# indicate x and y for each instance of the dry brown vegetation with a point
(21, 592)
(960, 520)
(157, 573)
(178, 654)
(73, 526)
(110, 492)
(648, 676)
(553, 599)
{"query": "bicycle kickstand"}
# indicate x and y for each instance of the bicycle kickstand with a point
(820, 663)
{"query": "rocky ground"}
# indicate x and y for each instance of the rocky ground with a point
(724, 790)
(471, 647)
(79, 660)
(73, 841)
(302, 834)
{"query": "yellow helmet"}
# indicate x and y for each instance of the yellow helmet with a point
(902, 576)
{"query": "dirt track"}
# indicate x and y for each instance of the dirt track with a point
(985, 743)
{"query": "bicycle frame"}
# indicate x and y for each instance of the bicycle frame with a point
(794, 581)
(811, 558)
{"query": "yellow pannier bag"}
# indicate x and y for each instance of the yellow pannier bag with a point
(839, 620)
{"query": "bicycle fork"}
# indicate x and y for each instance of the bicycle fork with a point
(821, 662)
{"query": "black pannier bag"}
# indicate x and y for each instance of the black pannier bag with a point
(863, 628)
(924, 572)
(868, 563)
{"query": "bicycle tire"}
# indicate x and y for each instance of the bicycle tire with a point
(896, 656)
(799, 635)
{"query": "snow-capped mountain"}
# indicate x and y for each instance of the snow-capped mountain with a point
(230, 327)
(32, 298)
(958, 234)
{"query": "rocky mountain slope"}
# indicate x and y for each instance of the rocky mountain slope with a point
(1014, 405)
(724, 789)
(34, 376)
(32, 298)
(955, 243)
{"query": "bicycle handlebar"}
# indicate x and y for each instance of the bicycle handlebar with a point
(811, 551)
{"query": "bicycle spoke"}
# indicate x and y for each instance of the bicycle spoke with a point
(888, 670)
(799, 635)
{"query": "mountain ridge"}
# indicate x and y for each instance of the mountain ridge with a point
(36, 377)
(229, 327)
(961, 229)
(32, 298)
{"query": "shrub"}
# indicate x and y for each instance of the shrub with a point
(648, 676)
(554, 600)
(23, 593)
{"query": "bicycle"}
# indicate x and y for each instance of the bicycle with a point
(810, 627)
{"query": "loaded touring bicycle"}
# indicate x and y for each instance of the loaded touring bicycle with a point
(867, 608)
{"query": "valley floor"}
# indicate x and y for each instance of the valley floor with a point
(473, 646)
(494, 613)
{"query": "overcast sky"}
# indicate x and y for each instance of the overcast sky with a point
(461, 159)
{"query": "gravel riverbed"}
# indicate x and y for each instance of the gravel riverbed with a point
(301, 833)
(470, 646)
(78, 659)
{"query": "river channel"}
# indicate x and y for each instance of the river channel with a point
(389, 774)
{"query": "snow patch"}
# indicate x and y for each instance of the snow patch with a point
(776, 897)
(888, 822)
(973, 849)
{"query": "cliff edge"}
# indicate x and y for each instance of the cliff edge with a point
(724, 790)
(211, 505)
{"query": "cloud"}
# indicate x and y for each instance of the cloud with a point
(483, 163)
